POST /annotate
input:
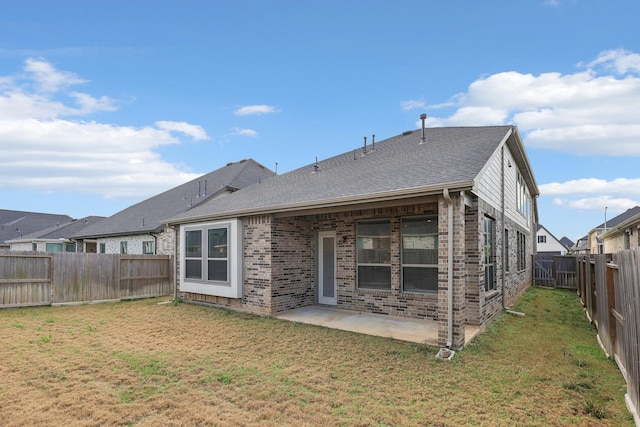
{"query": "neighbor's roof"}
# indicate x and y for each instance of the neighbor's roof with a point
(15, 224)
(61, 231)
(146, 216)
(567, 242)
(624, 216)
(397, 167)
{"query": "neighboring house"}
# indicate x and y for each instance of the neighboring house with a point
(138, 229)
(623, 235)
(16, 224)
(566, 242)
(581, 247)
(404, 227)
(56, 238)
(595, 242)
(547, 243)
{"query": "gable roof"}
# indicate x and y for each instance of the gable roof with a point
(15, 224)
(560, 241)
(146, 216)
(61, 231)
(397, 167)
(617, 220)
(567, 242)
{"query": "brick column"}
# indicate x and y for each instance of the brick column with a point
(458, 271)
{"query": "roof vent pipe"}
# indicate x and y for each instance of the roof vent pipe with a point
(373, 142)
(423, 117)
(364, 150)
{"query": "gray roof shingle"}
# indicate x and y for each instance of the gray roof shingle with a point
(147, 216)
(449, 156)
(15, 224)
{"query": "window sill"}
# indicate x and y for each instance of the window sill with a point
(491, 294)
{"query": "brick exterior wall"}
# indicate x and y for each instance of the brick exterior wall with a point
(280, 266)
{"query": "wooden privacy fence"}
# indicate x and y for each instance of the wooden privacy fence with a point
(557, 271)
(31, 278)
(609, 288)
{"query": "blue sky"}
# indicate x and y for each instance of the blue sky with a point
(106, 103)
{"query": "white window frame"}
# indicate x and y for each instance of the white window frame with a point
(232, 287)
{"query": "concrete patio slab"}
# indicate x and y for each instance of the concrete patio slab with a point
(400, 328)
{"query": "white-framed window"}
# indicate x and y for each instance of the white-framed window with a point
(70, 247)
(542, 239)
(211, 258)
(103, 248)
(420, 254)
(523, 201)
(124, 248)
(374, 254)
(34, 246)
(149, 247)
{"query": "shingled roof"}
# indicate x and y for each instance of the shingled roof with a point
(146, 216)
(16, 224)
(397, 167)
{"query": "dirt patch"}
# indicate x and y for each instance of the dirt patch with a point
(144, 364)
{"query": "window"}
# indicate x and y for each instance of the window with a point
(522, 197)
(70, 247)
(53, 247)
(149, 247)
(211, 258)
(522, 251)
(542, 239)
(34, 246)
(217, 261)
(103, 248)
(489, 233)
(193, 254)
(506, 250)
(374, 254)
(420, 254)
(124, 248)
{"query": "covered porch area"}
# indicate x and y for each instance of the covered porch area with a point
(395, 327)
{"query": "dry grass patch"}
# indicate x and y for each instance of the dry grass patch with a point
(144, 364)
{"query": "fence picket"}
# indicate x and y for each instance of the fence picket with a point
(29, 279)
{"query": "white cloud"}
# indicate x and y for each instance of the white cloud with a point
(194, 131)
(412, 104)
(243, 132)
(597, 204)
(255, 110)
(43, 150)
(592, 111)
(592, 186)
(593, 194)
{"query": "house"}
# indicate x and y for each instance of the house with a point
(434, 224)
(16, 224)
(581, 247)
(138, 229)
(596, 244)
(624, 234)
(54, 239)
(547, 243)
(566, 242)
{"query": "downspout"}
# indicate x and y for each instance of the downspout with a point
(447, 198)
(175, 263)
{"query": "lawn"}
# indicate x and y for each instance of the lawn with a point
(147, 364)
